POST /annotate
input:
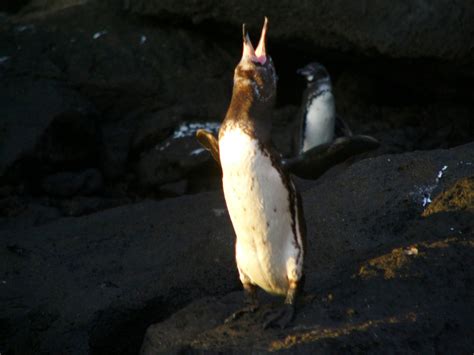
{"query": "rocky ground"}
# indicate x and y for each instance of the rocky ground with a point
(112, 220)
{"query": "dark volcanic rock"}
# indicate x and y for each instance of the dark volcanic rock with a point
(439, 28)
(72, 285)
(71, 140)
(16, 214)
(12, 6)
(153, 128)
(84, 85)
(94, 283)
(83, 205)
(33, 115)
(117, 137)
(380, 277)
(174, 158)
(123, 65)
(129, 70)
(67, 184)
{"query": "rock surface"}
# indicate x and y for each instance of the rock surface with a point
(379, 276)
(84, 86)
(459, 197)
(68, 184)
(94, 283)
(175, 157)
(74, 285)
(441, 29)
(107, 87)
(91, 93)
(34, 115)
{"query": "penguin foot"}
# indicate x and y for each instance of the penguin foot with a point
(279, 317)
(251, 308)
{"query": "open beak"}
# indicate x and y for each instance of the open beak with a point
(261, 51)
(249, 52)
(260, 54)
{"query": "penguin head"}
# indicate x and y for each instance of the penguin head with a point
(255, 72)
(314, 72)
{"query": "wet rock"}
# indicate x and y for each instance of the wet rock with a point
(68, 184)
(397, 30)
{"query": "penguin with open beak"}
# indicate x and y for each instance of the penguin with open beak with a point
(263, 204)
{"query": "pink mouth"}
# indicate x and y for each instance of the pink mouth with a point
(260, 54)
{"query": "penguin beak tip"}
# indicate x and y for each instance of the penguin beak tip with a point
(261, 51)
(259, 55)
(245, 34)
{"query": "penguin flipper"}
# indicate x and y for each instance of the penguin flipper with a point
(316, 161)
(342, 129)
(355, 144)
(209, 142)
(310, 164)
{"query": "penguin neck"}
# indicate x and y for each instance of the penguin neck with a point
(319, 86)
(249, 113)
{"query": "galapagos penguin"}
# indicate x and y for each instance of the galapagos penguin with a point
(263, 204)
(318, 113)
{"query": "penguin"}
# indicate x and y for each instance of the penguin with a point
(319, 123)
(324, 139)
(318, 113)
(264, 206)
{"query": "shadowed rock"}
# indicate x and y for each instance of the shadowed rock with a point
(439, 29)
(379, 277)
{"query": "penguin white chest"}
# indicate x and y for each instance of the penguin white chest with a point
(320, 121)
(267, 250)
